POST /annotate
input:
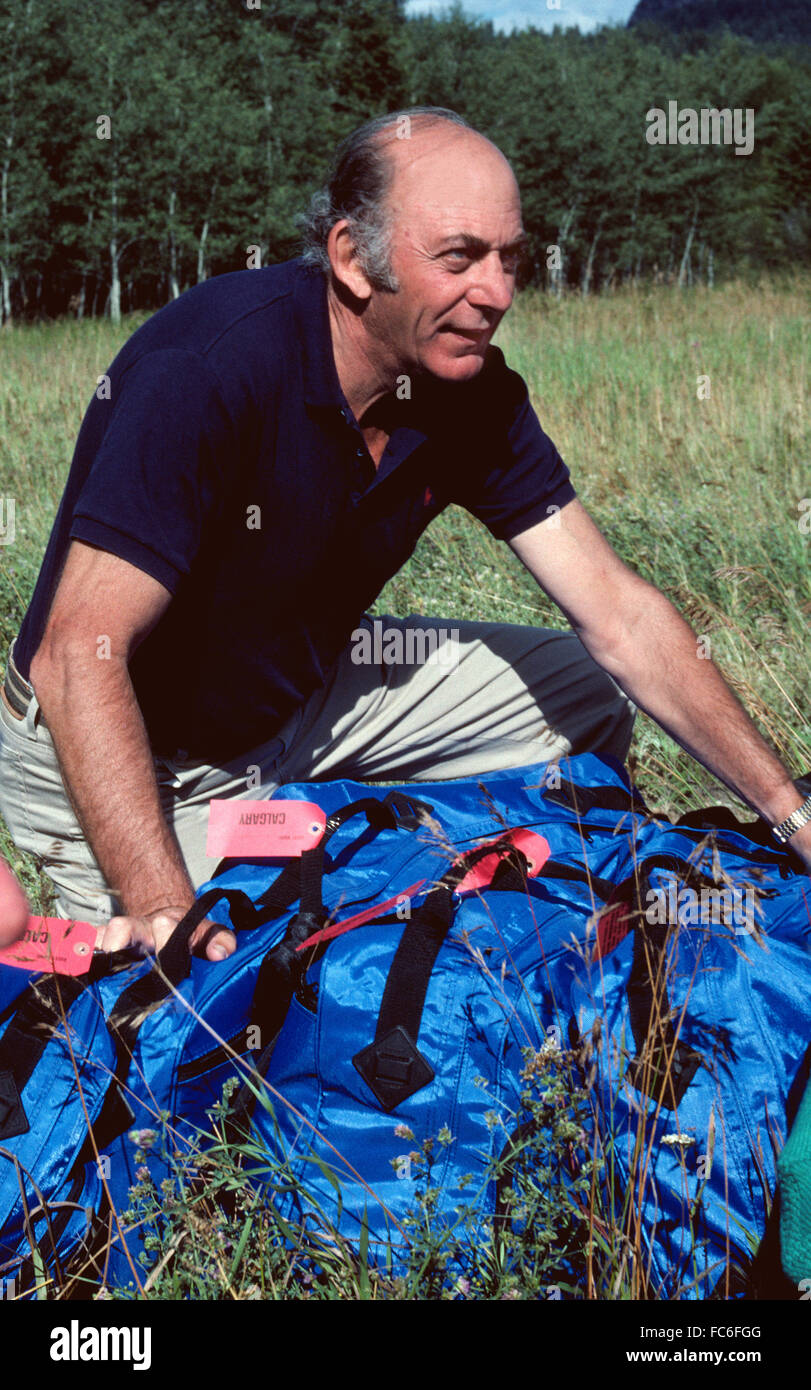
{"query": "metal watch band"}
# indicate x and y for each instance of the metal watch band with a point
(784, 831)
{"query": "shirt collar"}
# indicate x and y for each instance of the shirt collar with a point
(322, 389)
(321, 384)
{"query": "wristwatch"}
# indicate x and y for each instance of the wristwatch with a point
(784, 831)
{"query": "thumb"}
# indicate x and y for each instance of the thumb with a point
(213, 940)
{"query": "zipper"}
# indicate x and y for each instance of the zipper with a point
(188, 1071)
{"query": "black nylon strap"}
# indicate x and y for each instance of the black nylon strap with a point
(585, 799)
(146, 994)
(664, 1065)
(410, 971)
(286, 889)
(283, 892)
(378, 814)
(37, 1015)
(173, 963)
(283, 968)
(280, 974)
(312, 873)
(570, 873)
(410, 811)
(279, 977)
(392, 1065)
(414, 960)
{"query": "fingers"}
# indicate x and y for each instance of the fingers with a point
(117, 935)
(150, 933)
(147, 934)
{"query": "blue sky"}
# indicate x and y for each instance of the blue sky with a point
(518, 14)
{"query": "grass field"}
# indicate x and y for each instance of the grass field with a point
(701, 496)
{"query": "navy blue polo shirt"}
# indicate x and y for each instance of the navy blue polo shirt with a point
(227, 464)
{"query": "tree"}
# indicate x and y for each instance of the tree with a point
(26, 42)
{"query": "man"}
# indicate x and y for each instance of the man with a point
(270, 448)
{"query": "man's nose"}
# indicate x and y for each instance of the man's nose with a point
(493, 287)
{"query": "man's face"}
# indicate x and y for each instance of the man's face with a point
(456, 238)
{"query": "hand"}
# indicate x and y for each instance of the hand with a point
(13, 907)
(151, 931)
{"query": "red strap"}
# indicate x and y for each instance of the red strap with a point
(612, 928)
(534, 847)
(367, 915)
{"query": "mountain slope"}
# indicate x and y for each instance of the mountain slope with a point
(778, 21)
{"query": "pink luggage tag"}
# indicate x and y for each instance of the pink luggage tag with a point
(52, 943)
(535, 847)
(263, 829)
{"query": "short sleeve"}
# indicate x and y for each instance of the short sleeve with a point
(521, 477)
(158, 473)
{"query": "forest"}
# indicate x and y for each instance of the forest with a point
(148, 144)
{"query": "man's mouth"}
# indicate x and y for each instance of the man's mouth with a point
(471, 335)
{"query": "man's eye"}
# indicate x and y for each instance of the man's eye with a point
(458, 253)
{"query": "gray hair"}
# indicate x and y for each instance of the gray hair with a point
(358, 183)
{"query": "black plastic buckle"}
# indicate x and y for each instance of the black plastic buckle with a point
(408, 811)
(393, 1068)
(13, 1119)
(665, 1084)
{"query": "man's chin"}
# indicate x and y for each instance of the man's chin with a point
(457, 366)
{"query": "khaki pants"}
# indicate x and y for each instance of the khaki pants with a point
(415, 699)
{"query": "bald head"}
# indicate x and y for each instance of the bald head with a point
(436, 140)
(394, 163)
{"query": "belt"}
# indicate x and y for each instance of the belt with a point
(16, 690)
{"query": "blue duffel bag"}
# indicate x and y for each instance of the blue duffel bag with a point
(397, 996)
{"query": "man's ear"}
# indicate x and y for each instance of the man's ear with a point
(344, 261)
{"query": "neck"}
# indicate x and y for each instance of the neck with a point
(366, 370)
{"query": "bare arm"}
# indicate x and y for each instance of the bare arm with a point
(94, 719)
(636, 634)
